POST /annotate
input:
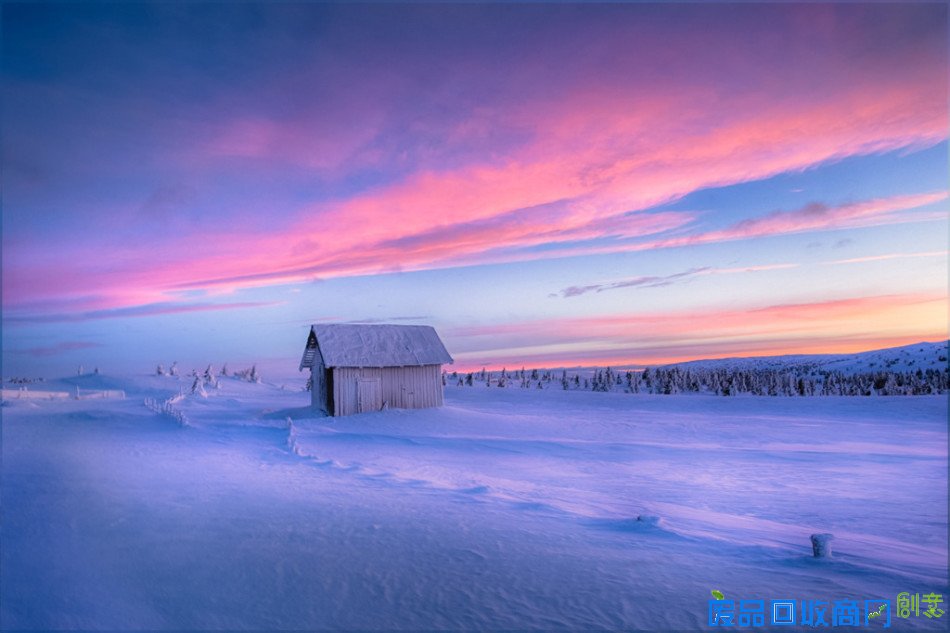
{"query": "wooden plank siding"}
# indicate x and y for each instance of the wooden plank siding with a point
(398, 387)
(318, 387)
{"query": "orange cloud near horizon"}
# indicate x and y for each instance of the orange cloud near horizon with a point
(821, 327)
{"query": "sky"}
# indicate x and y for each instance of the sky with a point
(548, 184)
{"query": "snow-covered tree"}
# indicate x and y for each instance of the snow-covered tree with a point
(198, 387)
(210, 377)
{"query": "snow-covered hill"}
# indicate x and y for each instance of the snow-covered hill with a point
(908, 358)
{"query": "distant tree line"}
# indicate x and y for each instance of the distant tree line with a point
(795, 381)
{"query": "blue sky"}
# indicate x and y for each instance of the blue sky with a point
(547, 184)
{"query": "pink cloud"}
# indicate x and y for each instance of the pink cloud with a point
(888, 256)
(571, 144)
(812, 217)
(268, 259)
(151, 309)
(652, 281)
(492, 239)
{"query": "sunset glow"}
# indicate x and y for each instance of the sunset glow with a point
(546, 184)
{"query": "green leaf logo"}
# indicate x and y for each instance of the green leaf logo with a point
(717, 594)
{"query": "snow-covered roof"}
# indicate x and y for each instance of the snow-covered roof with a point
(361, 345)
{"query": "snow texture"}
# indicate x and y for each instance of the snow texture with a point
(907, 358)
(505, 509)
(359, 345)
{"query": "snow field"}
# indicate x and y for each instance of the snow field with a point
(503, 509)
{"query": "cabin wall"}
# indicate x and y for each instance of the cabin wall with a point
(360, 389)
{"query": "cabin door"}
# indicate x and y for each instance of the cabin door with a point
(318, 388)
(370, 395)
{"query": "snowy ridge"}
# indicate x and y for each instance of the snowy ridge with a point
(907, 358)
(24, 393)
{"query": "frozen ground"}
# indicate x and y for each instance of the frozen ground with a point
(505, 509)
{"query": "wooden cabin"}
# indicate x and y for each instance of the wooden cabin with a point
(357, 368)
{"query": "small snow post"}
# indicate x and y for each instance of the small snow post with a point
(357, 368)
(821, 545)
